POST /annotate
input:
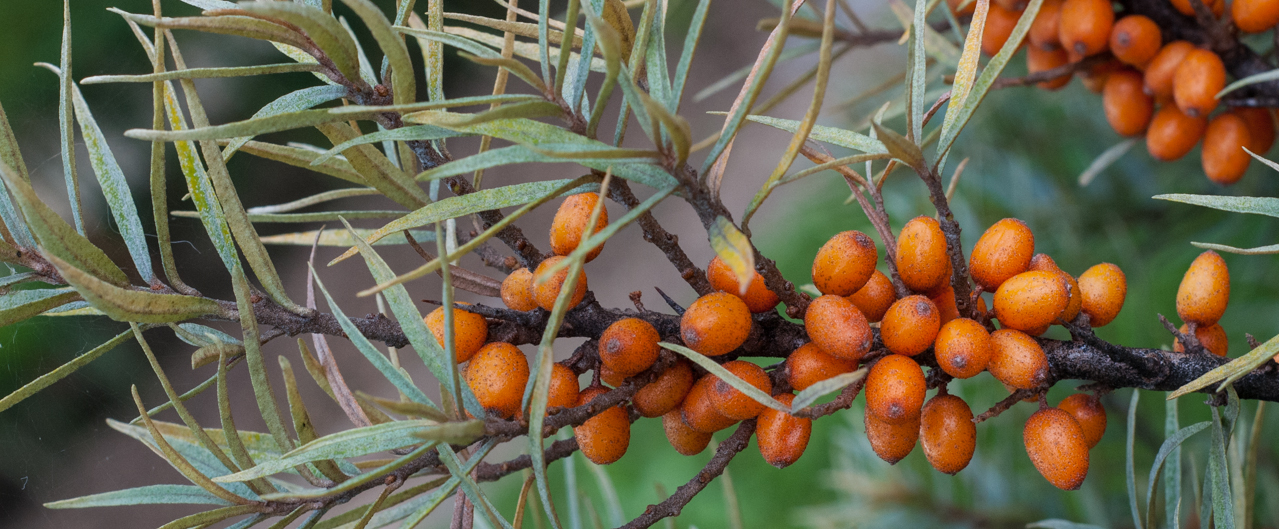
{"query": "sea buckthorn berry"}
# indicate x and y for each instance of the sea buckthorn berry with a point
(517, 290)
(604, 437)
(1104, 288)
(965, 7)
(610, 377)
(730, 401)
(910, 325)
(1040, 60)
(999, 26)
(1043, 31)
(698, 411)
(1172, 134)
(1094, 78)
(664, 394)
(1056, 445)
(571, 220)
(1161, 70)
(1199, 77)
(949, 310)
(844, 263)
(895, 389)
(497, 375)
(715, 324)
(1128, 108)
(1213, 338)
(1002, 252)
(1261, 128)
(629, 346)
(564, 389)
(809, 365)
(891, 442)
(470, 331)
(683, 437)
(838, 328)
(1204, 290)
(922, 262)
(1031, 300)
(1186, 8)
(1084, 28)
(1043, 263)
(875, 297)
(947, 433)
(1224, 157)
(1017, 360)
(1087, 410)
(782, 436)
(758, 297)
(549, 289)
(1012, 5)
(963, 348)
(1135, 39)
(1254, 16)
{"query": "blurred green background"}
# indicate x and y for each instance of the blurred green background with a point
(1026, 149)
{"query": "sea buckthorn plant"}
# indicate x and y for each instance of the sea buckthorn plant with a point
(909, 314)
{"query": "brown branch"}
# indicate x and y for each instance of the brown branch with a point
(685, 493)
(954, 247)
(667, 242)
(1008, 402)
(528, 254)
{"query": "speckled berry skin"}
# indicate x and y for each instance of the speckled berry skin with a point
(1031, 300)
(570, 223)
(838, 328)
(1043, 263)
(564, 389)
(874, 298)
(1017, 360)
(963, 348)
(782, 437)
(922, 261)
(517, 290)
(604, 437)
(947, 433)
(809, 365)
(629, 346)
(1087, 410)
(1057, 447)
(698, 411)
(1205, 290)
(730, 401)
(895, 389)
(758, 297)
(844, 263)
(683, 437)
(715, 324)
(497, 375)
(1103, 289)
(1213, 338)
(1002, 252)
(664, 394)
(547, 291)
(891, 442)
(470, 331)
(910, 326)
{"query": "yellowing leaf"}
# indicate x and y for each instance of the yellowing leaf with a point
(732, 247)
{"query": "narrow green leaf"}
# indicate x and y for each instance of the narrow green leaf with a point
(406, 408)
(616, 518)
(134, 305)
(1104, 160)
(250, 127)
(691, 40)
(378, 170)
(1130, 466)
(826, 387)
(66, 120)
(321, 27)
(337, 167)
(580, 64)
(1232, 370)
(297, 101)
(916, 70)
(12, 226)
(418, 132)
(423, 505)
(1170, 447)
(209, 518)
(1172, 476)
(1268, 206)
(24, 304)
(344, 238)
(148, 495)
(735, 249)
(1260, 250)
(1249, 491)
(302, 426)
(472, 489)
(47, 379)
(319, 216)
(312, 200)
(435, 105)
(655, 66)
(728, 377)
(242, 26)
(205, 73)
(969, 60)
(900, 147)
(1223, 511)
(831, 135)
(1262, 77)
(838, 162)
(180, 463)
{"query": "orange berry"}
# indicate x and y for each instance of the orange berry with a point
(698, 411)
(517, 290)
(1161, 70)
(1012, 5)
(715, 324)
(844, 263)
(610, 377)
(947, 433)
(1184, 6)
(1017, 360)
(891, 442)
(1084, 28)
(1042, 263)
(1103, 288)
(963, 348)
(604, 437)
(1172, 134)
(1224, 157)
(758, 297)
(875, 297)
(1087, 410)
(683, 437)
(838, 328)
(1254, 16)
(497, 376)
(895, 389)
(1204, 290)
(1135, 39)
(809, 365)
(470, 331)
(571, 220)
(782, 437)
(922, 261)
(1128, 108)
(1043, 31)
(910, 325)
(664, 394)
(1199, 77)
(1261, 128)
(1212, 337)
(564, 389)
(1003, 251)
(1094, 78)
(629, 346)
(949, 310)
(548, 290)
(1056, 445)
(730, 401)
(999, 26)
(1039, 60)
(1031, 300)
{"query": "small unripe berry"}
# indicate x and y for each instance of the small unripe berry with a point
(1043, 31)
(1084, 28)
(1031, 300)
(1017, 360)
(844, 263)
(715, 324)
(570, 222)
(548, 290)
(1254, 16)
(1199, 77)
(922, 261)
(1104, 288)
(947, 433)
(1172, 134)
(470, 331)
(1186, 8)
(1128, 108)
(949, 310)
(517, 290)
(698, 411)
(891, 442)
(999, 26)
(1041, 60)
(604, 437)
(963, 348)
(629, 346)
(1002, 252)
(809, 365)
(758, 297)
(895, 389)
(1224, 158)
(1087, 410)
(664, 394)
(782, 437)
(1041, 262)
(1204, 290)
(838, 328)
(1135, 39)
(564, 389)
(730, 401)
(1213, 338)
(910, 326)
(497, 376)
(1162, 69)
(1056, 445)
(1261, 128)
(875, 297)
(683, 437)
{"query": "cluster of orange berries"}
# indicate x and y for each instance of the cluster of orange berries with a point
(1177, 77)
